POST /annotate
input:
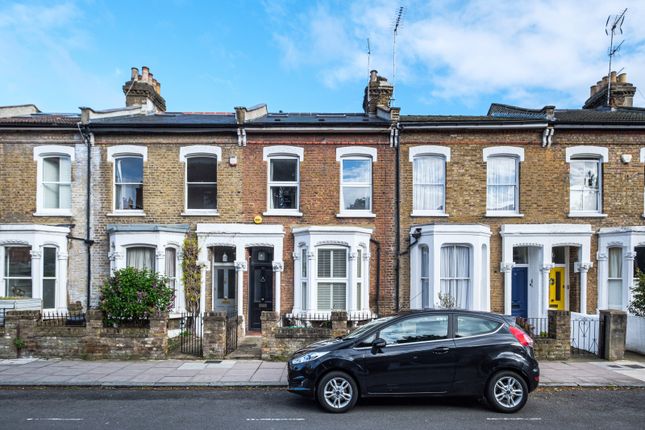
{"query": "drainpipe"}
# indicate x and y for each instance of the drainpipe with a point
(378, 275)
(397, 216)
(87, 137)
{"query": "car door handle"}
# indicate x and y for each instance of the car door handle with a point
(441, 350)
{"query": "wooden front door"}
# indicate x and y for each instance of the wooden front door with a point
(260, 285)
(556, 288)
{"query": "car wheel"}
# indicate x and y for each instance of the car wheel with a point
(507, 392)
(337, 392)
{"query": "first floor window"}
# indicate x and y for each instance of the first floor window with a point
(283, 183)
(615, 278)
(17, 271)
(49, 278)
(128, 183)
(425, 277)
(356, 184)
(201, 183)
(332, 279)
(502, 182)
(455, 274)
(429, 182)
(584, 183)
(140, 257)
(57, 182)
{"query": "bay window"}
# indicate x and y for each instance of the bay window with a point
(17, 268)
(140, 257)
(455, 274)
(615, 278)
(332, 279)
(49, 277)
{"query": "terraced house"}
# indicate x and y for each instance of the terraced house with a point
(517, 211)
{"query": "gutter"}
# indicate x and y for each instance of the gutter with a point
(474, 126)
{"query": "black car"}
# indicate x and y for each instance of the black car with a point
(421, 353)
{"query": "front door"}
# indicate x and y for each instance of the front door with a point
(556, 288)
(260, 285)
(519, 299)
(224, 289)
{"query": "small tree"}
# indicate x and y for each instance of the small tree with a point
(637, 305)
(446, 301)
(191, 273)
(133, 294)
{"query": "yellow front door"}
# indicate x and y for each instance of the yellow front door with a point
(556, 288)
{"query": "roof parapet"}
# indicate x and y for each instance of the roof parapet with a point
(244, 115)
(18, 110)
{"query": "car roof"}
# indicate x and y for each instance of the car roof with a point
(506, 318)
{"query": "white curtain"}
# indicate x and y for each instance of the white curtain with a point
(455, 274)
(429, 174)
(584, 185)
(615, 281)
(425, 277)
(501, 181)
(141, 258)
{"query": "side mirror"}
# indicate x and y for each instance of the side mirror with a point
(378, 345)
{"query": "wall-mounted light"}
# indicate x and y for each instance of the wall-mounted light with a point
(626, 158)
(232, 161)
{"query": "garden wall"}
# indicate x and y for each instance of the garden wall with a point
(557, 345)
(26, 334)
(635, 334)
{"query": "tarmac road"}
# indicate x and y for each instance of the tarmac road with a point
(265, 408)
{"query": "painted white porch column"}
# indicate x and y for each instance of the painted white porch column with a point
(61, 289)
(278, 267)
(507, 269)
(351, 297)
(160, 264)
(312, 286)
(36, 279)
(240, 268)
(584, 268)
(365, 294)
(628, 278)
(546, 270)
(603, 299)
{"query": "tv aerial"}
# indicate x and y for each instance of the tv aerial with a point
(613, 25)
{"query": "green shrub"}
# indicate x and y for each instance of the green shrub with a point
(133, 294)
(637, 306)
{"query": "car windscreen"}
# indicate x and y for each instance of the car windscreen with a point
(365, 328)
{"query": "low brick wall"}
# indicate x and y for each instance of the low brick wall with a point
(278, 343)
(94, 341)
(557, 346)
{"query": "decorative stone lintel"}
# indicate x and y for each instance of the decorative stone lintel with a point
(601, 256)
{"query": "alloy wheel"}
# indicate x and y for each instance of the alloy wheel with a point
(338, 392)
(508, 392)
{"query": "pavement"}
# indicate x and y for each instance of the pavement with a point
(230, 373)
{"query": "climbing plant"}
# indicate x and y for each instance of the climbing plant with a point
(192, 273)
(637, 306)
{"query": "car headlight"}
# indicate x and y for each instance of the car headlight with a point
(310, 356)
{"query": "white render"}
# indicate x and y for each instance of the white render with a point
(316, 237)
(587, 151)
(37, 237)
(240, 237)
(627, 238)
(195, 150)
(541, 238)
(282, 150)
(511, 151)
(435, 236)
(421, 150)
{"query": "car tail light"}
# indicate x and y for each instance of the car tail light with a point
(521, 336)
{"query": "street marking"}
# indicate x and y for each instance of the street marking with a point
(275, 419)
(54, 419)
(514, 419)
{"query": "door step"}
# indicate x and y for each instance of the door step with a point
(249, 348)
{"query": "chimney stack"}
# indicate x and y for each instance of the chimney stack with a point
(378, 92)
(622, 92)
(143, 87)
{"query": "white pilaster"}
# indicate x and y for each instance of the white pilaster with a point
(584, 268)
(61, 289)
(628, 276)
(546, 271)
(278, 267)
(507, 269)
(240, 268)
(36, 271)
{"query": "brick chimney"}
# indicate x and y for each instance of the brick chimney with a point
(143, 87)
(378, 92)
(622, 92)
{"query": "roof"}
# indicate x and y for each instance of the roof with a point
(598, 117)
(42, 120)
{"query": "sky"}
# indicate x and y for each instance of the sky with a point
(452, 57)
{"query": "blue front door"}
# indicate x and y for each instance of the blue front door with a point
(519, 299)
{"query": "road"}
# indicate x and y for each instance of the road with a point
(275, 409)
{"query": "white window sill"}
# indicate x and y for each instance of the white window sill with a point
(429, 213)
(356, 214)
(586, 215)
(46, 212)
(504, 215)
(127, 213)
(197, 212)
(283, 212)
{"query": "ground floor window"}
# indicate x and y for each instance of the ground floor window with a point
(455, 274)
(49, 277)
(17, 276)
(140, 257)
(615, 278)
(332, 279)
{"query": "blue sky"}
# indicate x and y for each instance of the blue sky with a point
(453, 57)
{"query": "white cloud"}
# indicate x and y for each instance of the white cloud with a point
(521, 52)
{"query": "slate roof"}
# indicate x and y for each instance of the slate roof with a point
(42, 120)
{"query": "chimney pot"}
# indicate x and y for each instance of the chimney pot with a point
(134, 73)
(373, 75)
(594, 88)
(144, 73)
(622, 78)
(612, 76)
(605, 80)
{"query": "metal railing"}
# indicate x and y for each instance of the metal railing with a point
(3, 313)
(191, 328)
(584, 335)
(536, 327)
(62, 319)
(231, 334)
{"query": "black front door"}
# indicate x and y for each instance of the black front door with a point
(260, 285)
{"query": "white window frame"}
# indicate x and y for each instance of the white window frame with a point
(124, 151)
(285, 153)
(618, 278)
(584, 152)
(455, 279)
(358, 153)
(582, 213)
(45, 278)
(50, 151)
(429, 212)
(186, 152)
(6, 278)
(331, 279)
(505, 152)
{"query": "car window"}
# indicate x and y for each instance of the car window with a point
(418, 329)
(473, 326)
(366, 342)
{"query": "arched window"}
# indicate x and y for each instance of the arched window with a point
(425, 277)
(455, 274)
(332, 278)
(615, 278)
